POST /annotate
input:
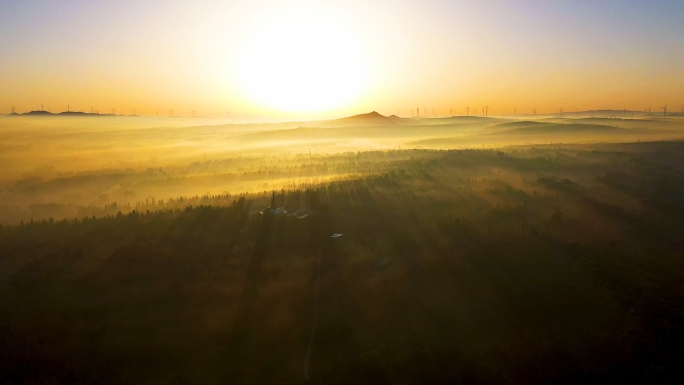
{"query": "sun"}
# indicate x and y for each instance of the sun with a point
(302, 59)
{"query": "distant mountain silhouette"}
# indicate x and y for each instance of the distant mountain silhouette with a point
(620, 112)
(371, 119)
(45, 113)
(518, 124)
(546, 128)
(65, 113)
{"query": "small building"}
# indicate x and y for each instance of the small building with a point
(278, 211)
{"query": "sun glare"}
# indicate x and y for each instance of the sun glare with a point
(302, 60)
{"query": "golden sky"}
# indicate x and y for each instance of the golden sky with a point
(310, 59)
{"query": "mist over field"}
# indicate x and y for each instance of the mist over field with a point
(69, 167)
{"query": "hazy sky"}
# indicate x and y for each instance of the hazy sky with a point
(318, 58)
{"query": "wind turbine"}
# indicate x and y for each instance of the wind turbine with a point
(113, 111)
(41, 107)
(91, 109)
(664, 110)
(467, 111)
(486, 110)
(134, 112)
(68, 107)
(13, 110)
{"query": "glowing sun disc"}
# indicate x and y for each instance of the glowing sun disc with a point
(302, 59)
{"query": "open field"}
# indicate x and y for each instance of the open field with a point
(523, 262)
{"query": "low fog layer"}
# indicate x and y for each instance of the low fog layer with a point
(65, 167)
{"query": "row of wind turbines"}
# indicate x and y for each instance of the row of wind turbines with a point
(96, 111)
(452, 112)
(415, 113)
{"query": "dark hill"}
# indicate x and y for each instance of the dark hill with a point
(39, 113)
(73, 113)
(521, 124)
(546, 128)
(370, 119)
